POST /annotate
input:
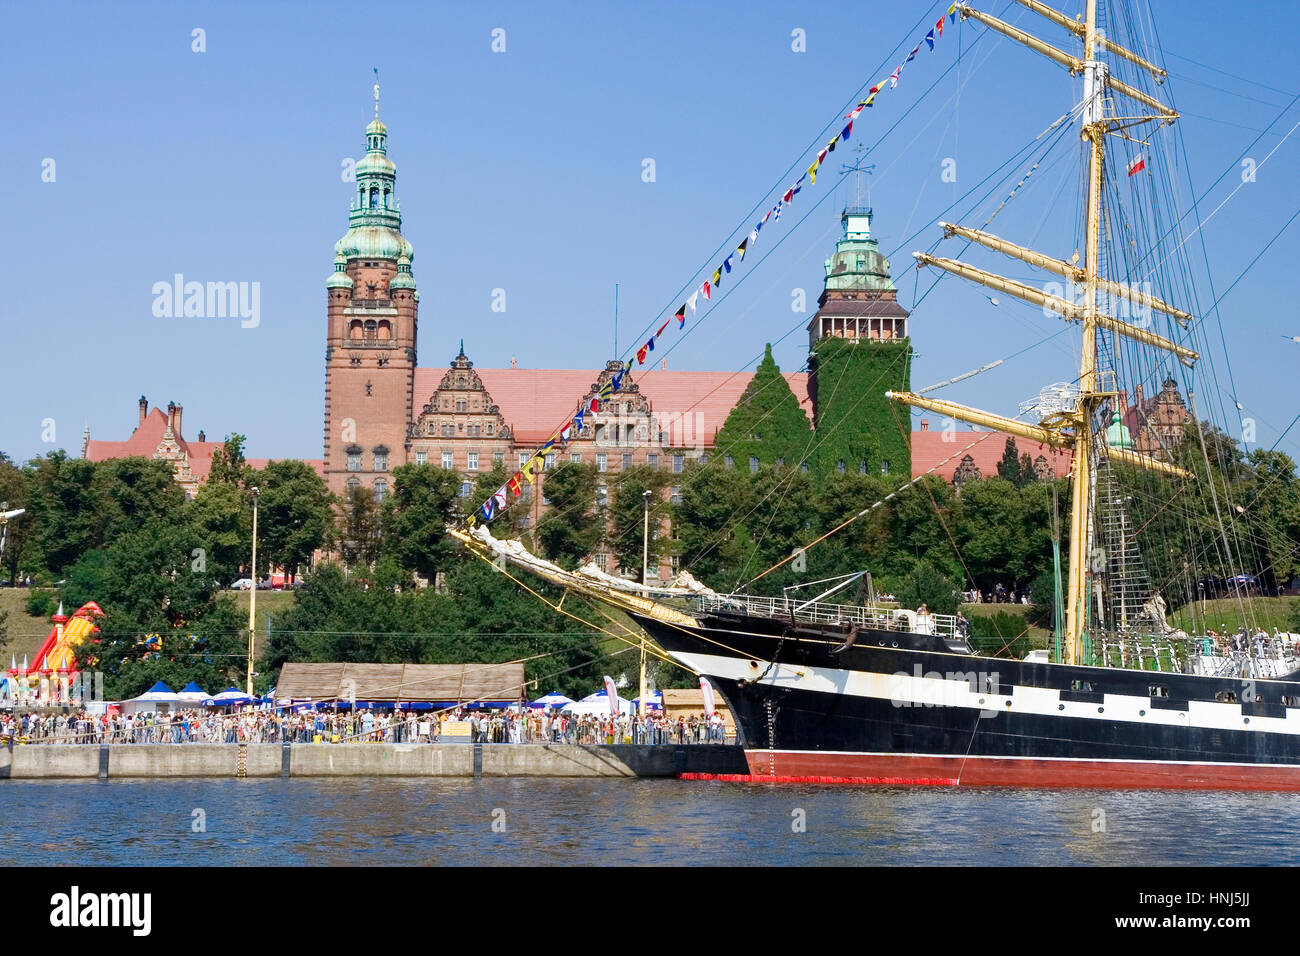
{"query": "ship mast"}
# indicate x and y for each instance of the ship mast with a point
(1073, 428)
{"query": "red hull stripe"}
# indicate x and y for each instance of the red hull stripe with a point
(923, 769)
(854, 781)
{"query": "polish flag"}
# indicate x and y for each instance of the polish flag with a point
(1138, 164)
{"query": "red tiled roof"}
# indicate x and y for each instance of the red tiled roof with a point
(930, 450)
(144, 440)
(534, 402)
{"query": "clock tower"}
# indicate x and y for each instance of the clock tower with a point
(370, 339)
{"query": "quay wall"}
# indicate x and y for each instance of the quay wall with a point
(64, 761)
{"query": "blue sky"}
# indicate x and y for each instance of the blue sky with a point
(522, 170)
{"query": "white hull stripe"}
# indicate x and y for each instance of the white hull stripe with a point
(936, 690)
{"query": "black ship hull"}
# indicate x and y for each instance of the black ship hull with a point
(823, 703)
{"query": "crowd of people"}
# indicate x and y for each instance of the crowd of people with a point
(364, 726)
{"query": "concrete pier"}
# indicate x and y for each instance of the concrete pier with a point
(64, 761)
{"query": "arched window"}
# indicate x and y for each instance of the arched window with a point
(381, 490)
(353, 483)
(753, 465)
(374, 197)
(385, 331)
(354, 329)
(370, 329)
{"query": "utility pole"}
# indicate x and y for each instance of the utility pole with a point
(252, 598)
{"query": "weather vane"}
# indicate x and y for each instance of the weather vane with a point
(858, 168)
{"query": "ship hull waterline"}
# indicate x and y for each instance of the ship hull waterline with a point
(811, 705)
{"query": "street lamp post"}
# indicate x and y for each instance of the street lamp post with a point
(645, 579)
(252, 600)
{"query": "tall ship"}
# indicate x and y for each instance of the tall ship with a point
(863, 690)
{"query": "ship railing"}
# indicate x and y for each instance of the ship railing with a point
(823, 612)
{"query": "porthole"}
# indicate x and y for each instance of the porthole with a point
(895, 643)
(1008, 705)
(1101, 710)
(1245, 720)
(1060, 707)
(1142, 713)
(981, 701)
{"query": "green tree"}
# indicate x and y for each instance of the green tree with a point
(856, 424)
(416, 516)
(229, 467)
(294, 516)
(1009, 463)
(62, 508)
(766, 425)
(127, 493)
(924, 584)
(627, 515)
(146, 583)
(359, 537)
(222, 516)
(574, 526)
(13, 496)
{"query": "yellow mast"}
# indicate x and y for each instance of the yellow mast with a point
(1072, 428)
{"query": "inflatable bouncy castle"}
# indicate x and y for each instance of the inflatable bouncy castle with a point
(52, 677)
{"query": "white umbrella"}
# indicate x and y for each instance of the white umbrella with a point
(597, 703)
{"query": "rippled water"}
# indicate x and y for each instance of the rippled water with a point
(448, 822)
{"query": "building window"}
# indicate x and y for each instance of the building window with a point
(523, 458)
(677, 495)
(421, 457)
(466, 489)
(884, 466)
(353, 483)
(704, 458)
(679, 461)
(473, 431)
(448, 461)
(550, 461)
(839, 466)
(600, 461)
(803, 467)
(381, 490)
(862, 468)
(381, 461)
(498, 459)
(652, 460)
(602, 496)
(627, 461)
(471, 463)
(753, 465)
(576, 457)
(461, 406)
(602, 562)
(354, 461)
(728, 461)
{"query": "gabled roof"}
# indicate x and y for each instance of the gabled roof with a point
(144, 441)
(930, 450)
(534, 402)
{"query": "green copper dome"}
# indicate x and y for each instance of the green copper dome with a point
(403, 279)
(340, 279)
(1117, 435)
(375, 216)
(857, 264)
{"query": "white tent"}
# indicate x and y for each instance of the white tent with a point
(159, 697)
(554, 699)
(191, 694)
(598, 704)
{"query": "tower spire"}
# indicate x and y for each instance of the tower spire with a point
(376, 69)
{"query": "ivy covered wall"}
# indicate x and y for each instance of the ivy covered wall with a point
(767, 423)
(855, 422)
